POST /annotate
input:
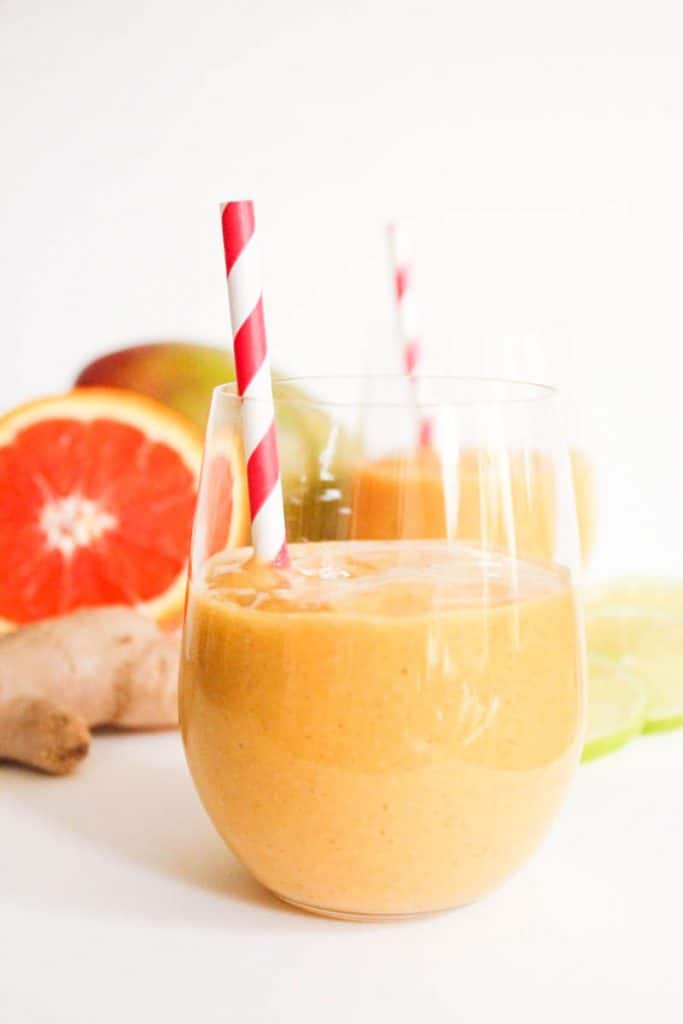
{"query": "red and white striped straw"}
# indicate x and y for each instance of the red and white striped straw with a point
(401, 247)
(254, 385)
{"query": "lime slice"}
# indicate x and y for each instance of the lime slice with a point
(642, 592)
(618, 630)
(663, 677)
(659, 659)
(648, 643)
(616, 706)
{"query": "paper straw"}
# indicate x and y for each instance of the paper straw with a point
(400, 245)
(254, 385)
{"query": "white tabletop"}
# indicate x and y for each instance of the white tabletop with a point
(119, 903)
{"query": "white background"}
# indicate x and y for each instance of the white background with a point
(537, 146)
(554, 129)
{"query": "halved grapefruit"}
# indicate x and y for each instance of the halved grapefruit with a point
(97, 495)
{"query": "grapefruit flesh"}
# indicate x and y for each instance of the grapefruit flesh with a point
(97, 496)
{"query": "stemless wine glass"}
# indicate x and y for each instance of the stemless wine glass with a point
(387, 726)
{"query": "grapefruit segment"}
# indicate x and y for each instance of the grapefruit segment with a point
(97, 495)
(223, 517)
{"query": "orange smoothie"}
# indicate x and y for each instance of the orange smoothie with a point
(387, 727)
(497, 496)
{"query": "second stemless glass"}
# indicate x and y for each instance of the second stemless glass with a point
(388, 726)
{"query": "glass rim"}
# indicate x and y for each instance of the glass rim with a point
(521, 392)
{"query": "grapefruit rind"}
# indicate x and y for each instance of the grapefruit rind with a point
(155, 420)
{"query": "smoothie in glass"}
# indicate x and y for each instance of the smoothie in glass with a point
(404, 496)
(387, 727)
(501, 498)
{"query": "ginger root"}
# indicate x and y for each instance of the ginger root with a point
(37, 732)
(99, 666)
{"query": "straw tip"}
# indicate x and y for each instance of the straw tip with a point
(236, 202)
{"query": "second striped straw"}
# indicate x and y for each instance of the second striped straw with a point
(401, 250)
(254, 385)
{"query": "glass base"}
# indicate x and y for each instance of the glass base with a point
(358, 918)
